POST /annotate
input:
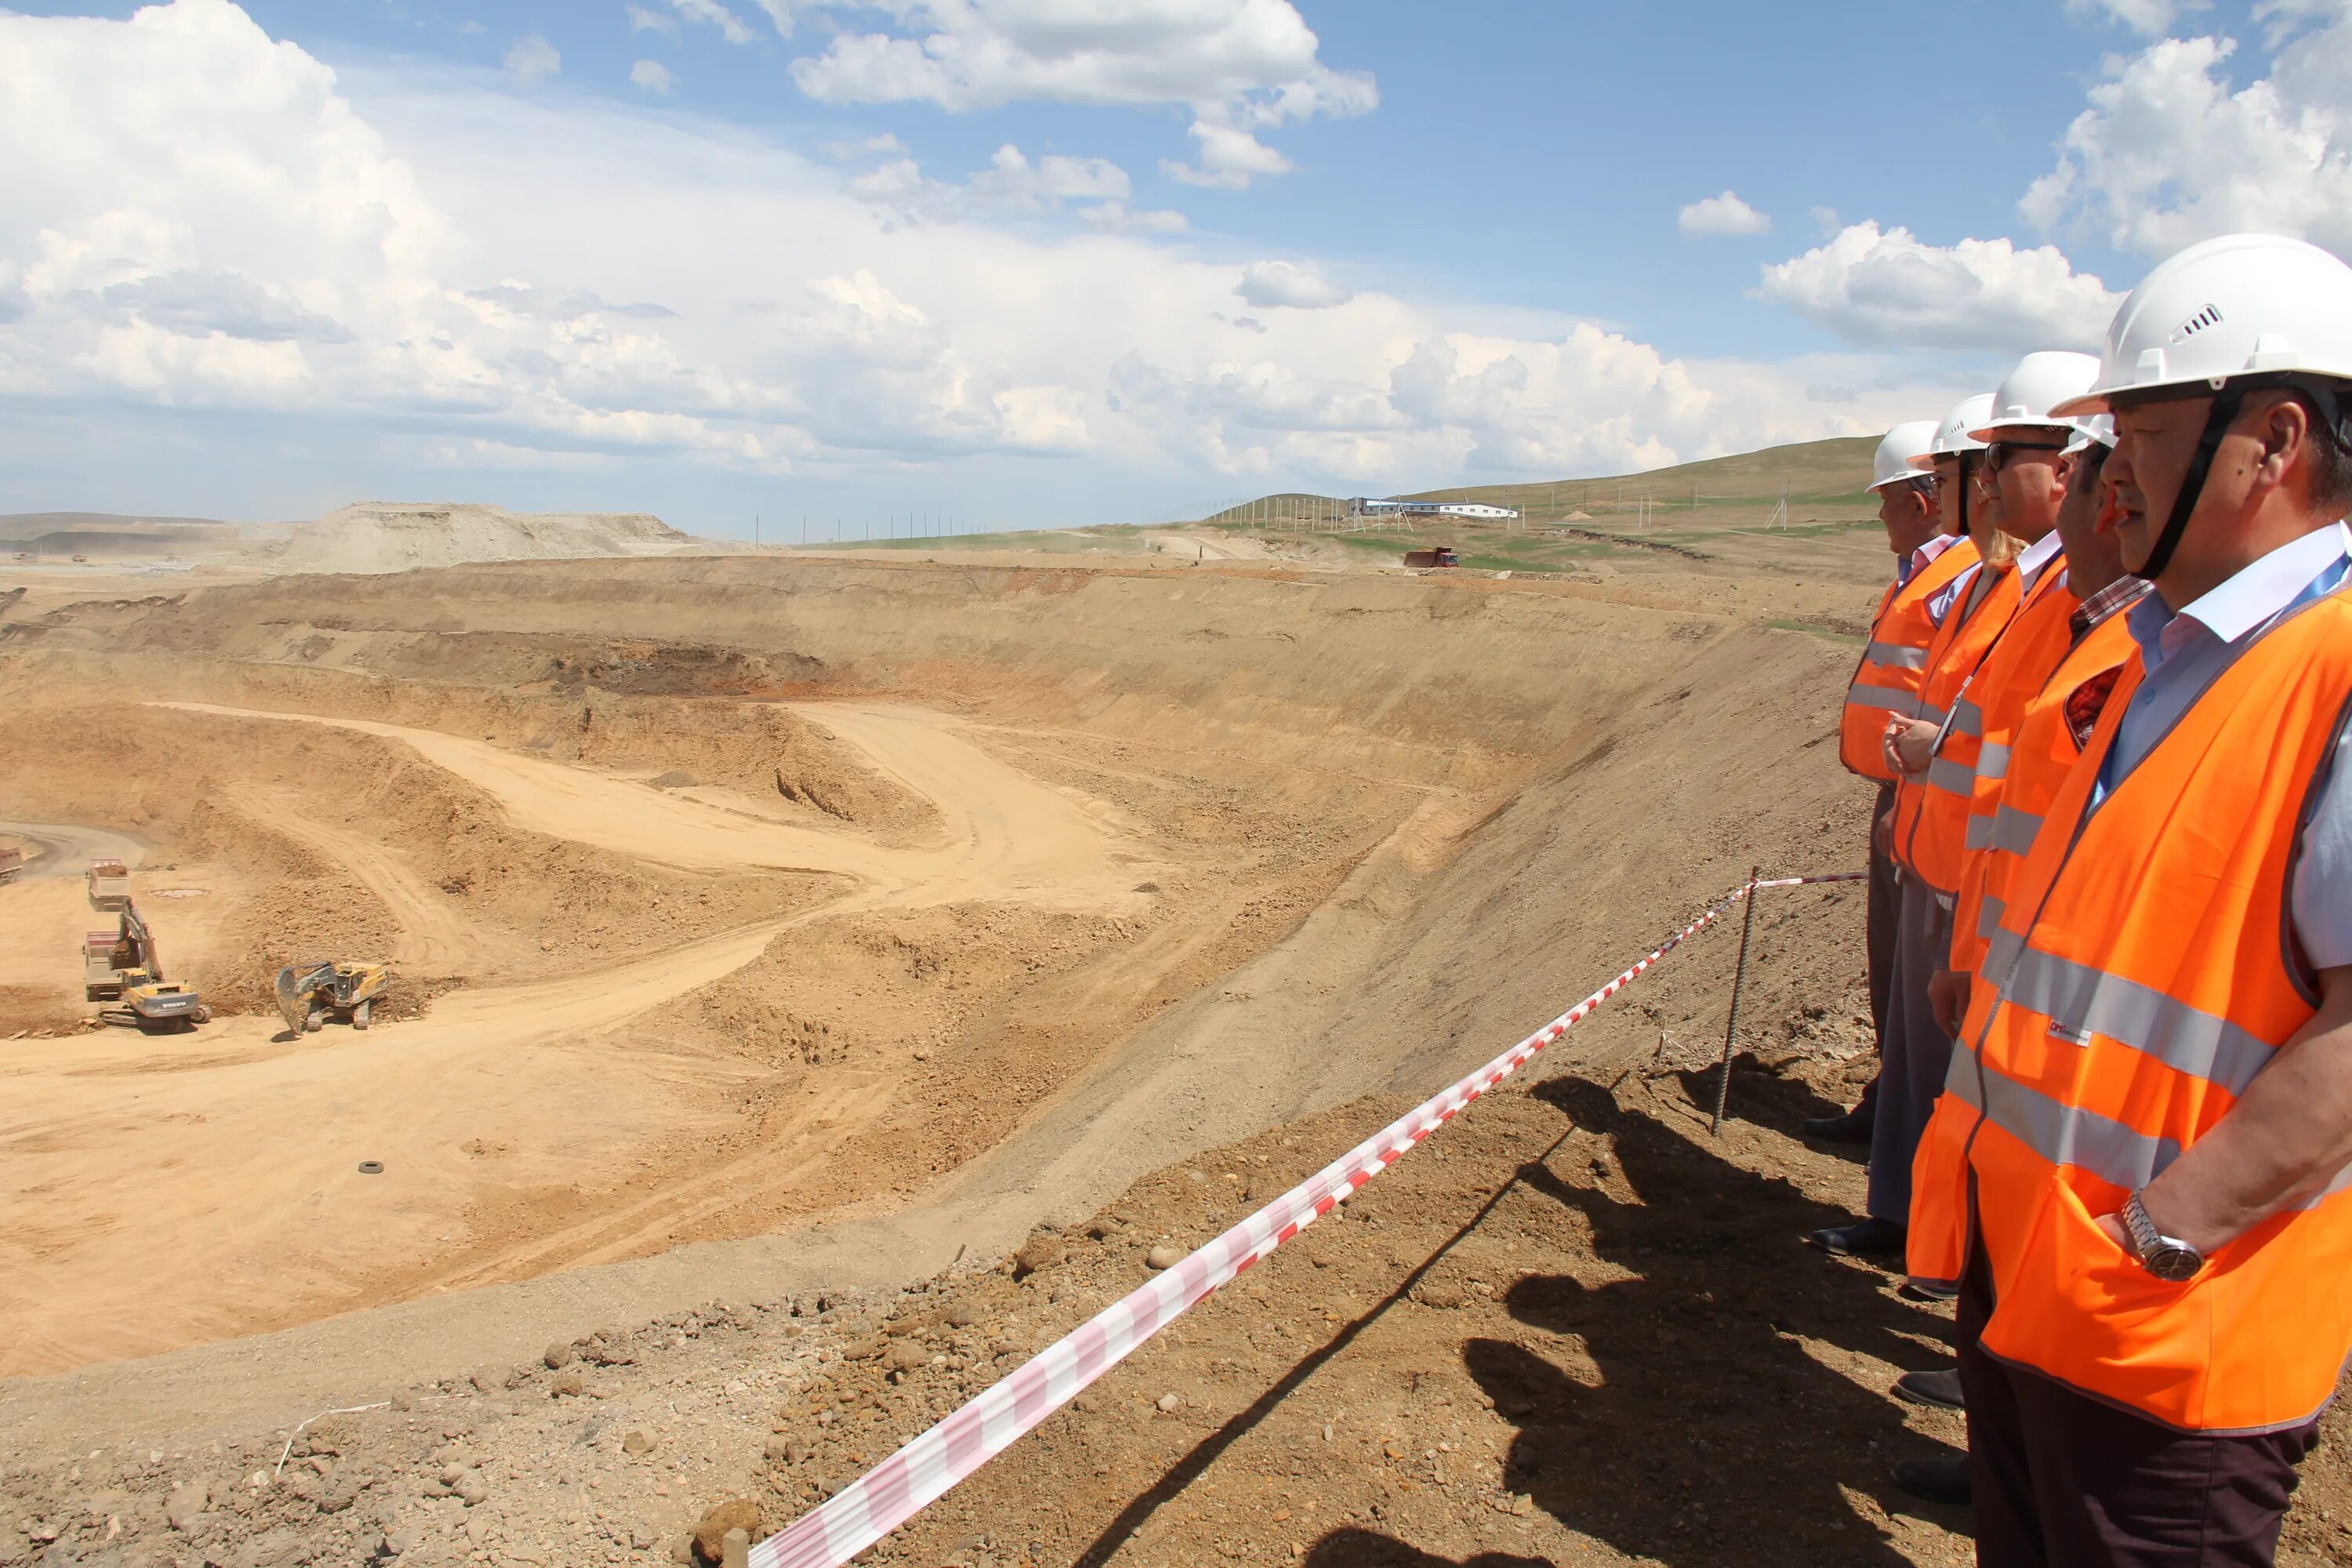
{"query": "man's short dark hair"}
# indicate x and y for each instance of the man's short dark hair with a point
(2331, 459)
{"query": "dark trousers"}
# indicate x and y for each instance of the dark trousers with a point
(2064, 1481)
(1915, 1053)
(1878, 932)
(1878, 925)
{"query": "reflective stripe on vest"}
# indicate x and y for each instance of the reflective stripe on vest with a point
(2041, 750)
(1895, 655)
(1888, 676)
(1993, 762)
(1968, 719)
(1931, 809)
(1988, 912)
(2141, 980)
(2013, 829)
(2061, 1133)
(2081, 1001)
(2069, 1135)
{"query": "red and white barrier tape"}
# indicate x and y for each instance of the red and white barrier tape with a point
(902, 1485)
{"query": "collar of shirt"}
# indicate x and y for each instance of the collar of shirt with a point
(2102, 606)
(2253, 596)
(1916, 561)
(2035, 556)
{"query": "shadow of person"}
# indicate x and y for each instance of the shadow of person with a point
(1677, 1400)
(1770, 1100)
(1368, 1549)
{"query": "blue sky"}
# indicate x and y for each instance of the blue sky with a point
(1037, 261)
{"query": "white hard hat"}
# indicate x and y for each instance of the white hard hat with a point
(2091, 428)
(2244, 304)
(1893, 460)
(1952, 437)
(2040, 380)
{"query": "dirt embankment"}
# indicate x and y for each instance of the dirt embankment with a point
(1194, 855)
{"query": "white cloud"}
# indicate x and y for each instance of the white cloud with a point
(1722, 214)
(865, 147)
(1826, 219)
(532, 58)
(1240, 67)
(711, 14)
(1116, 217)
(1097, 188)
(653, 76)
(2169, 152)
(1891, 289)
(644, 21)
(2146, 17)
(1267, 285)
(198, 219)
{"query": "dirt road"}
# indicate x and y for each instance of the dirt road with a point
(1005, 835)
(227, 1162)
(66, 850)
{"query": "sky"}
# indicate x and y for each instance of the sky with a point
(815, 265)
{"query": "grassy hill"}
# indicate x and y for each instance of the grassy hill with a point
(1822, 473)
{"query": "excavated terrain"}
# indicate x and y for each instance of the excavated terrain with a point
(784, 947)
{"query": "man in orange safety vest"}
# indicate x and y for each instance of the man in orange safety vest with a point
(2154, 1076)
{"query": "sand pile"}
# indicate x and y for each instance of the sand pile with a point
(400, 536)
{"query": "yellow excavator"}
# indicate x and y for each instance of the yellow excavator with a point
(310, 994)
(122, 966)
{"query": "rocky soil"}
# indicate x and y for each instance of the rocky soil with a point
(1573, 1328)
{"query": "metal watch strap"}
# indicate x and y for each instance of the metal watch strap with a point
(2145, 1237)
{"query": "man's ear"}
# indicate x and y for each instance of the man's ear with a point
(2286, 434)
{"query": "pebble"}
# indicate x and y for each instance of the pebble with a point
(637, 1440)
(1164, 1257)
(711, 1535)
(558, 1357)
(1171, 1401)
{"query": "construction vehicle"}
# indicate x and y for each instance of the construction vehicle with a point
(122, 966)
(310, 994)
(1437, 555)
(109, 882)
(12, 865)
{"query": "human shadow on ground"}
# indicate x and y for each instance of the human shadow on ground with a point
(1354, 1548)
(1677, 1414)
(1770, 1100)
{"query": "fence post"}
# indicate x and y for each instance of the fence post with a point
(1731, 1025)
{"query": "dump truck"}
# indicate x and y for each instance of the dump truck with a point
(311, 993)
(122, 966)
(109, 882)
(1438, 555)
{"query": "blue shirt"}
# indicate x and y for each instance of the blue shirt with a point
(2184, 653)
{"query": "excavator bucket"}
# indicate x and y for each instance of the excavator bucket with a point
(293, 998)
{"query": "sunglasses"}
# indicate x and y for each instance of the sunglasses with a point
(1998, 454)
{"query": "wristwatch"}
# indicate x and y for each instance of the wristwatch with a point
(2167, 1258)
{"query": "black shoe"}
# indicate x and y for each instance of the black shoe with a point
(1941, 1388)
(1867, 1238)
(1853, 1127)
(1944, 1478)
(1926, 1290)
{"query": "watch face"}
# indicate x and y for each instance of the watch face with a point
(2173, 1263)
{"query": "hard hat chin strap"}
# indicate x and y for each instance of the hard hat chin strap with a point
(2217, 420)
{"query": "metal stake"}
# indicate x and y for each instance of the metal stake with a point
(1731, 1026)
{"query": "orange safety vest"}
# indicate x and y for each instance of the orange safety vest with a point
(2013, 674)
(1931, 809)
(2042, 752)
(2144, 973)
(1887, 679)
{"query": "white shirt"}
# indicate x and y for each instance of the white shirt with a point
(2035, 556)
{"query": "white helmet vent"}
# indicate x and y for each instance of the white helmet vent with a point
(2210, 316)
